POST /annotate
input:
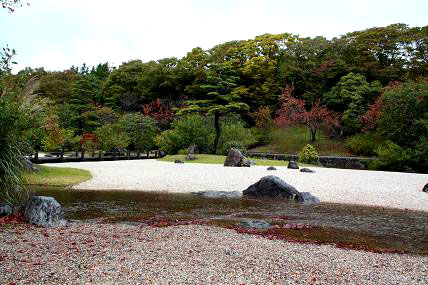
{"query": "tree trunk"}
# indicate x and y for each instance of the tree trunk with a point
(62, 153)
(82, 157)
(100, 154)
(138, 155)
(313, 135)
(148, 154)
(217, 131)
(36, 155)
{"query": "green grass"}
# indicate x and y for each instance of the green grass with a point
(291, 141)
(219, 159)
(57, 176)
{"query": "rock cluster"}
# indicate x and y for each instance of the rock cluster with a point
(236, 159)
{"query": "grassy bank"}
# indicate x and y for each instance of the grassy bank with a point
(219, 159)
(291, 141)
(57, 176)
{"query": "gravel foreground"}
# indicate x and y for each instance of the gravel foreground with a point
(362, 187)
(192, 254)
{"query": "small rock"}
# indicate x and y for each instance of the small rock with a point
(44, 211)
(307, 198)
(425, 189)
(255, 224)
(5, 209)
(307, 170)
(271, 168)
(178, 161)
(28, 165)
(218, 194)
(246, 163)
(293, 165)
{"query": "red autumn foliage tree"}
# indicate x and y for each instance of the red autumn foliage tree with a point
(262, 117)
(161, 112)
(370, 119)
(293, 111)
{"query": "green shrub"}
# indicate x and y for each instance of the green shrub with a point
(235, 132)
(308, 155)
(182, 151)
(233, 144)
(187, 130)
(391, 157)
(364, 144)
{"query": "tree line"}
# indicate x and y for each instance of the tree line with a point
(368, 87)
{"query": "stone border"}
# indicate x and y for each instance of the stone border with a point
(345, 162)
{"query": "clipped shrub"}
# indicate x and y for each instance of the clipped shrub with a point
(308, 155)
(235, 132)
(233, 144)
(364, 144)
(182, 151)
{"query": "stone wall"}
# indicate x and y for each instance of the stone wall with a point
(326, 161)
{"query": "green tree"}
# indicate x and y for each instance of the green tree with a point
(350, 96)
(404, 118)
(111, 137)
(185, 131)
(219, 97)
(142, 131)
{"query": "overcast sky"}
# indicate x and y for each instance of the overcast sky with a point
(57, 34)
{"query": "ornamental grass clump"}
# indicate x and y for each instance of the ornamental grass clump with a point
(16, 113)
(309, 155)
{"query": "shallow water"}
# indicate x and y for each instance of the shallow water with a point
(355, 226)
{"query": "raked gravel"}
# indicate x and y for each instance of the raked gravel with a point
(362, 187)
(126, 254)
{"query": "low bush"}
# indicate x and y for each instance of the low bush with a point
(308, 155)
(391, 157)
(364, 144)
(235, 132)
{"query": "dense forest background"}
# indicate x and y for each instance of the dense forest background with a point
(366, 89)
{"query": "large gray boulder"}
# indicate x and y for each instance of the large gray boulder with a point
(293, 165)
(271, 186)
(191, 152)
(235, 158)
(5, 209)
(44, 211)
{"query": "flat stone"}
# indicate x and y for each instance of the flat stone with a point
(270, 168)
(255, 224)
(218, 194)
(44, 211)
(307, 170)
(178, 161)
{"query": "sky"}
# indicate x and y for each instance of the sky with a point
(56, 34)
